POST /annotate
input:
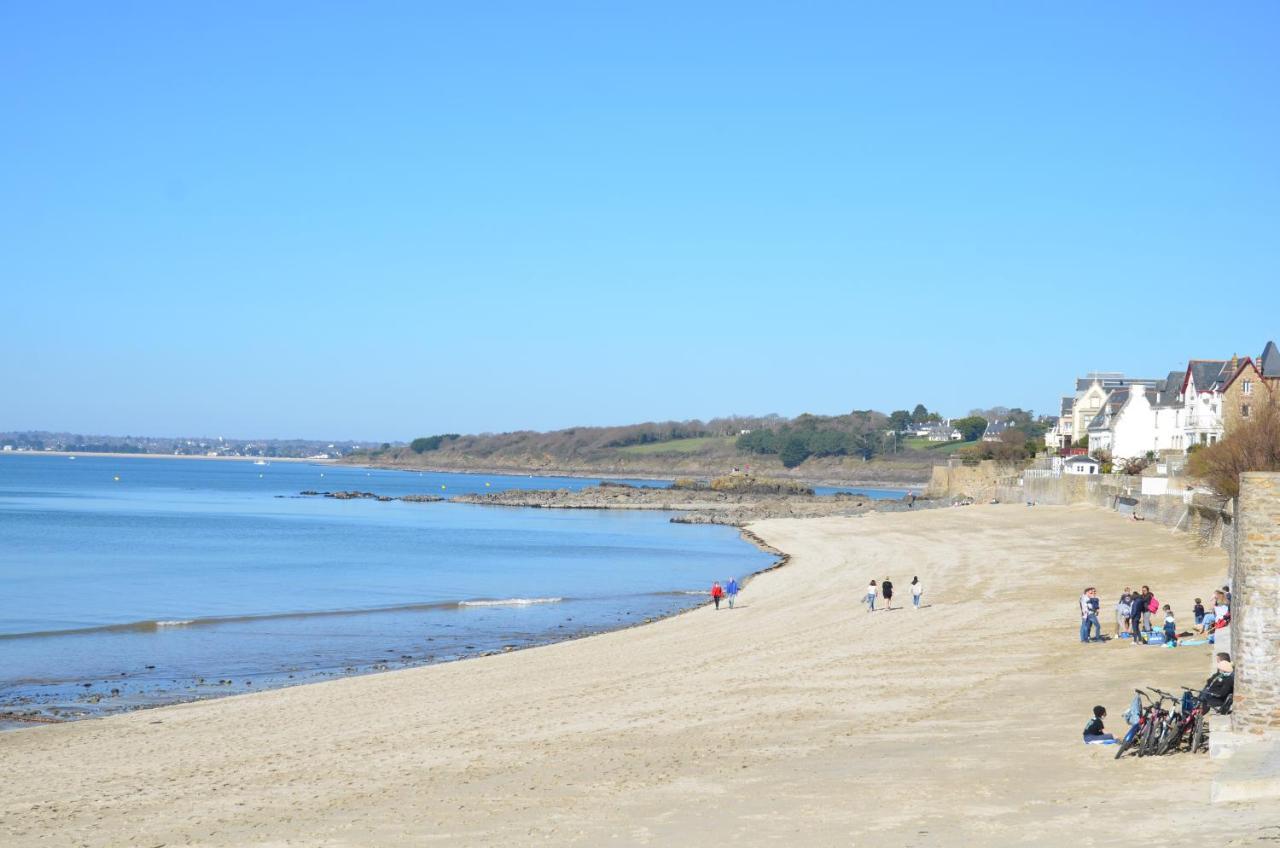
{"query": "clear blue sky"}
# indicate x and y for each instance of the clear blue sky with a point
(383, 220)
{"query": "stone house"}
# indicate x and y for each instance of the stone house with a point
(1254, 383)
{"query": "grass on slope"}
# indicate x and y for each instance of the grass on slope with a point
(937, 447)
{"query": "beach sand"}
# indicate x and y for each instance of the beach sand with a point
(795, 719)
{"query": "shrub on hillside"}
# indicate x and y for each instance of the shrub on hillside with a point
(428, 443)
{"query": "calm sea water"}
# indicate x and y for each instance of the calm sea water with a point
(131, 582)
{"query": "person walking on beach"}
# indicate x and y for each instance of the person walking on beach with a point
(731, 590)
(717, 592)
(886, 591)
(917, 590)
(871, 597)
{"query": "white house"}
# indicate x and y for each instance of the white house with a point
(942, 432)
(1139, 419)
(1202, 387)
(1081, 465)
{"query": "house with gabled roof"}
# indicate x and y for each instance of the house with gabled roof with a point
(1091, 394)
(996, 428)
(1202, 388)
(1139, 419)
(1255, 382)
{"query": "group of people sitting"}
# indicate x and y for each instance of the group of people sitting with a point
(1216, 695)
(1134, 611)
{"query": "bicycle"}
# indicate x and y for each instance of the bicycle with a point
(1136, 733)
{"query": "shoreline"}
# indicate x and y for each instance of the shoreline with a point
(17, 721)
(606, 737)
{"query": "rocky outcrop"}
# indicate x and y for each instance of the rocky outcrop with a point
(699, 505)
(351, 496)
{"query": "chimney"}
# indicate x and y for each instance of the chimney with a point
(1235, 364)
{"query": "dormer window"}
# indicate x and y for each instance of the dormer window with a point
(1247, 387)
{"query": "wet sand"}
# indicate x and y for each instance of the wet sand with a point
(795, 719)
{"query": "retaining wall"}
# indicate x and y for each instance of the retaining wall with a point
(1255, 601)
(1206, 517)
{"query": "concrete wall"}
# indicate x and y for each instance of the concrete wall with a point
(1255, 614)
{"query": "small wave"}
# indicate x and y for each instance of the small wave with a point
(510, 602)
(182, 623)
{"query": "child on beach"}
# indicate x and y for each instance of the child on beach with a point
(1122, 612)
(1094, 731)
(871, 597)
(917, 590)
(1170, 628)
(717, 592)
(1199, 612)
(731, 590)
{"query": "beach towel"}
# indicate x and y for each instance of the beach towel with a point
(1100, 742)
(1196, 642)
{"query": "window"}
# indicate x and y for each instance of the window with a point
(1244, 410)
(1247, 387)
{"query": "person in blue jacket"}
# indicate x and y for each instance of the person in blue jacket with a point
(731, 590)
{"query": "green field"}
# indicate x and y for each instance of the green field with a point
(682, 446)
(937, 447)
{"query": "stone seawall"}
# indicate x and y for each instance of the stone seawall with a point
(1207, 517)
(977, 480)
(1255, 621)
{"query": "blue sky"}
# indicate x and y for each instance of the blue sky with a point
(383, 220)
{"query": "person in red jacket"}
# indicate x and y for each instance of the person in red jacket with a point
(717, 592)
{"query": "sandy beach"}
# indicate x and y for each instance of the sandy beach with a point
(795, 719)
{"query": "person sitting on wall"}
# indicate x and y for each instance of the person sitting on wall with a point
(1220, 686)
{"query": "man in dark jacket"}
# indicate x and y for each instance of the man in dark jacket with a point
(1218, 688)
(1137, 605)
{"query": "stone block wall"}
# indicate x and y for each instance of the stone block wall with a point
(1207, 518)
(1255, 614)
(977, 481)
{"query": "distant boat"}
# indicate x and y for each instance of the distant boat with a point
(71, 457)
(260, 462)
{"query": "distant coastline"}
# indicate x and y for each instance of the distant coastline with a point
(268, 459)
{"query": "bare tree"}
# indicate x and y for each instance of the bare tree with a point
(1252, 446)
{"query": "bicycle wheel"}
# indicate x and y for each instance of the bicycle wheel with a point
(1169, 742)
(1199, 735)
(1126, 744)
(1148, 734)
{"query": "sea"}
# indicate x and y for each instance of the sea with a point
(128, 582)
